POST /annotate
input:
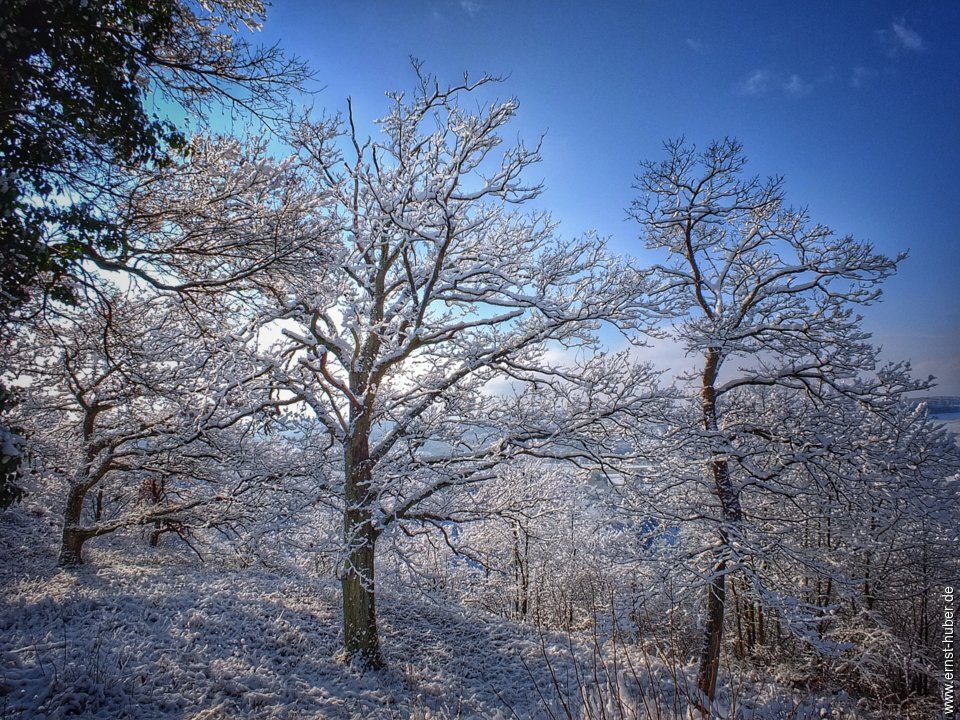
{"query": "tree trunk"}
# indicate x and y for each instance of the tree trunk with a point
(74, 535)
(740, 611)
(761, 627)
(361, 638)
(155, 533)
(712, 633)
(520, 555)
(730, 516)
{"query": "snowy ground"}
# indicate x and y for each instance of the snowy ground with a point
(149, 633)
(152, 633)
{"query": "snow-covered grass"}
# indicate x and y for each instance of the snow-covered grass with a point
(142, 633)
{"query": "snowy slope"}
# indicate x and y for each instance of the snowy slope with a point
(150, 633)
(147, 633)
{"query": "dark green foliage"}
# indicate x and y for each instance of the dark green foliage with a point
(77, 81)
(10, 492)
(71, 101)
(12, 456)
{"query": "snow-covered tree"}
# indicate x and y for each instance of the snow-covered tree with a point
(161, 352)
(766, 299)
(209, 228)
(432, 289)
(218, 221)
(130, 399)
(541, 546)
(888, 525)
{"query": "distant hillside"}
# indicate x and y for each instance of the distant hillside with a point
(940, 405)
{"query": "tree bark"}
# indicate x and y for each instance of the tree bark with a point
(521, 553)
(155, 533)
(740, 613)
(361, 637)
(74, 535)
(730, 516)
(712, 633)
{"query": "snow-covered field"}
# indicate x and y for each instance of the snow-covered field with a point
(142, 633)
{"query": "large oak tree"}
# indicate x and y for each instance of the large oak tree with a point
(432, 294)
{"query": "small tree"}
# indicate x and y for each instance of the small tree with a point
(432, 290)
(749, 280)
(124, 393)
(202, 238)
(542, 545)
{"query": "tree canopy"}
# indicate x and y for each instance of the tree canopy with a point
(82, 89)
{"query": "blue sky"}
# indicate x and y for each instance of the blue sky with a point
(856, 103)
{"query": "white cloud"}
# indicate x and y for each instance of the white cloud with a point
(797, 87)
(695, 45)
(757, 83)
(908, 38)
(471, 7)
(900, 38)
(764, 82)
